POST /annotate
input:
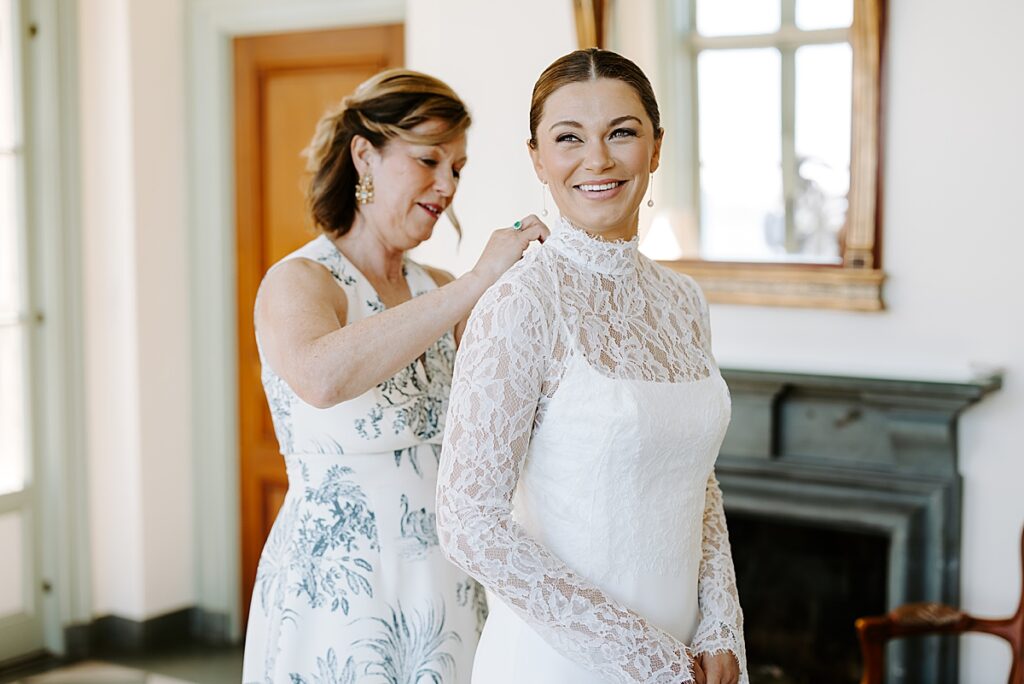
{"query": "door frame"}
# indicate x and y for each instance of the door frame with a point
(211, 26)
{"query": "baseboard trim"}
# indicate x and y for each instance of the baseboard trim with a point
(114, 635)
(25, 666)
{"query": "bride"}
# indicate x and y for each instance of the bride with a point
(586, 413)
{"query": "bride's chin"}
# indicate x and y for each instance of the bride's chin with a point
(599, 223)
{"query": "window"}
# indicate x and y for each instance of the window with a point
(20, 621)
(775, 180)
(13, 313)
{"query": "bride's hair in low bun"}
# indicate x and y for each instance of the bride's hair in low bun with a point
(387, 106)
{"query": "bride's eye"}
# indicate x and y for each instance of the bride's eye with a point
(623, 133)
(567, 137)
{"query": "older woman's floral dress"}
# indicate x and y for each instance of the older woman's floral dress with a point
(351, 585)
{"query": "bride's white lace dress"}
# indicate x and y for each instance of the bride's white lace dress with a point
(577, 479)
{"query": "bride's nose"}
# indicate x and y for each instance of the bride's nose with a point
(597, 157)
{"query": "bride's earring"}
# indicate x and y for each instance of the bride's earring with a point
(650, 200)
(544, 198)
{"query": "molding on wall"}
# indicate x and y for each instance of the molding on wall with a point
(211, 25)
(806, 286)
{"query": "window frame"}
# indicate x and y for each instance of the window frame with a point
(855, 283)
(52, 312)
(23, 629)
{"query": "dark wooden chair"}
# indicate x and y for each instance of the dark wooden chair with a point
(934, 618)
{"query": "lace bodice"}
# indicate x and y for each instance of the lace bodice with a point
(581, 305)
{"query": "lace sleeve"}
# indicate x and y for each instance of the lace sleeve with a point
(721, 625)
(498, 378)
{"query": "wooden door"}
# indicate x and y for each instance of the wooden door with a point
(283, 84)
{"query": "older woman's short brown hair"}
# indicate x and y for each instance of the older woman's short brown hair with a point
(385, 107)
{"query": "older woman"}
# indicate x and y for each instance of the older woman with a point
(357, 343)
(577, 480)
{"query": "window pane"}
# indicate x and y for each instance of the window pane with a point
(12, 582)
(7, 139)
(737, 17)
(823, 14)
(9, 252)
(12, 409)
(824, 86)
(740, 152)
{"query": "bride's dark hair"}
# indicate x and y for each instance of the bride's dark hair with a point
(590, 65)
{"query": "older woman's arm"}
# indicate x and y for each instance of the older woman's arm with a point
(301, 322)
(498, 377)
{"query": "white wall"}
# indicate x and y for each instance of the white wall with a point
(953, 244)
(136, 319)
(491, 54)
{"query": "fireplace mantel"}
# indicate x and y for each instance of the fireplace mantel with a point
(860, 454)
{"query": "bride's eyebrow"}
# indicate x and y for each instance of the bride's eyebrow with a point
(614, 122)
(623, 119)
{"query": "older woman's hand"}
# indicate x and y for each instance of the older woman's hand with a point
(506, 247)
(720, 668)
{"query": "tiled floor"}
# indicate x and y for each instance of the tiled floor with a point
(194, 666)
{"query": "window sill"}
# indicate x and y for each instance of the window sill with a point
(792, 285)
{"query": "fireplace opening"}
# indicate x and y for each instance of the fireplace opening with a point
(801, 587)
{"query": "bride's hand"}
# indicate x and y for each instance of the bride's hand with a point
(506, 247)
(698, 672)
(720, 668)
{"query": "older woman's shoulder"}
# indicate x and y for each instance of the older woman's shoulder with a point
(439, 276)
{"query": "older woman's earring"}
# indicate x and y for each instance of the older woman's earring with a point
(364, 189)
(544, 198)
(650, 200)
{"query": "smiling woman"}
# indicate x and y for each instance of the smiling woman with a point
(598, 161)
(577, 482)
(357, 344)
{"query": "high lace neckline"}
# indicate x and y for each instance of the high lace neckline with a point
(617, 257)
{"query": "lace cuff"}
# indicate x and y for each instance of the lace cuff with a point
(499, 374)
(721, 625)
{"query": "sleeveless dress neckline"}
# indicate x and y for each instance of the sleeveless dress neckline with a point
(351, 585)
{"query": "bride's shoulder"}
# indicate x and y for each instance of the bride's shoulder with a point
(677, 283)
(532, 276)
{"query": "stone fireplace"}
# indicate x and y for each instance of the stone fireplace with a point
(843, 499)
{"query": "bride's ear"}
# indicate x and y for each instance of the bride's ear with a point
(538, 166)
(656, 156)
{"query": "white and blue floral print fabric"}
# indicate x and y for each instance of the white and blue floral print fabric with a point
(351, 586)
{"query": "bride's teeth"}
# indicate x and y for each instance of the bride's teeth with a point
(598, 188)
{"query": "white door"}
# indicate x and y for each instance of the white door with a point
(21, 624)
